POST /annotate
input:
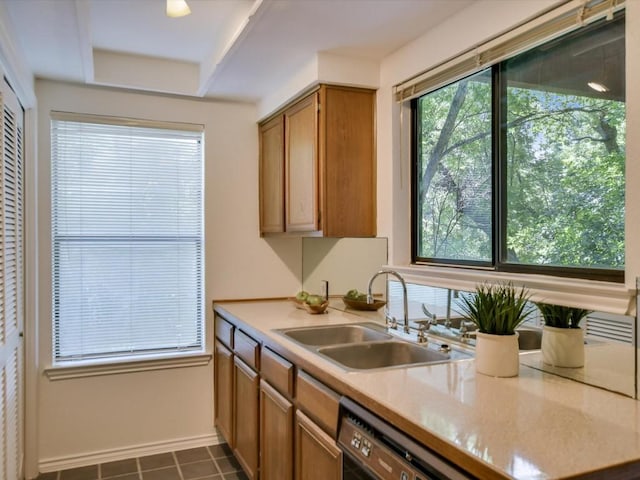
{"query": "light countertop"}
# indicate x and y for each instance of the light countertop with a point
(536, 425)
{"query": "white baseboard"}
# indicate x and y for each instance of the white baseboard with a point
(63, 463)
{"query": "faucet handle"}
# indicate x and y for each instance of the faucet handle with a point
(423, 328)
(431, 316)
(424, 324)
(465, 324)
(464, 331)
(391, 322)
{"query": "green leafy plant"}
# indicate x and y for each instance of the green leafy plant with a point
(562, 317)
(496, 309)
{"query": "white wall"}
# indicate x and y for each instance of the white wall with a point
(322, 67)
(106, 415)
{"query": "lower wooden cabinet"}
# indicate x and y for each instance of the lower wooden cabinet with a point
(245, 419)
(276, 435)
(223, 392)
(276, 431)
(317, 456)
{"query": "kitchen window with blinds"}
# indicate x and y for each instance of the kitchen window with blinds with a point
(127, 238)
(519, 167)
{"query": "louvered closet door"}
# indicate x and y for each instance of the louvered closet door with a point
(11, 286)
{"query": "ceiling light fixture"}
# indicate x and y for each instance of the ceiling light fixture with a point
(177, 8)
(598, 87)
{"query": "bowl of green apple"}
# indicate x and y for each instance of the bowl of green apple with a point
(358, 301)
(310, 302)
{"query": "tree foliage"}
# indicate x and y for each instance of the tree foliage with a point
(564, 155)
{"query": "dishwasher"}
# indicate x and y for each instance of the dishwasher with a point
(375, 450)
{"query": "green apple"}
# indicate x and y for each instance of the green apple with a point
(353, 294)
(314, 300)
(301, 296)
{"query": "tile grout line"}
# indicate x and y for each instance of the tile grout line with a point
(139, 467)
(215, 464)
(175, 459)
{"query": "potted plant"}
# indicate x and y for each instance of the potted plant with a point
(562, 337)
(497, 310)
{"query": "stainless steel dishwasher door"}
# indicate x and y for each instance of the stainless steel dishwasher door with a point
(375, 450)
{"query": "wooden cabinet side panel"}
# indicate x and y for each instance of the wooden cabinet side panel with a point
(223, 391)
(301, 165)
(348, 161)
(272, 176)
(245, 420)
(276, 435)
(317, 455)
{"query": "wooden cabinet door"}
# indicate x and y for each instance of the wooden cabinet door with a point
(317, 455)
(245, 421)
(223, 391)
(272, 176)
(301, 165)
(276, 435)
(347, 156)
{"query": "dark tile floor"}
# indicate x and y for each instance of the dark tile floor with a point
(215, 462)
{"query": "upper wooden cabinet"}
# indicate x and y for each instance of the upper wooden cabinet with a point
(317, 165)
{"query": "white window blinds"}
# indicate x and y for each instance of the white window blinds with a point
(127, 238)
(569, 16)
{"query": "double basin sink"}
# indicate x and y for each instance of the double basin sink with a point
(366, 346)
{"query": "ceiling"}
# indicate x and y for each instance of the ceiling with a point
(232, 49)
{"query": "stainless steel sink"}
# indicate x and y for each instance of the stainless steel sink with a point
(367, 346)
(336, 334)
(371, 355)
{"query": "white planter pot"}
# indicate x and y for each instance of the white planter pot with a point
(563, 347)
(497, 355)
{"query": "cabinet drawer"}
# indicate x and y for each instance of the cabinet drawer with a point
(247, 349)
(224, 331)
(318, 401)
(277, 371)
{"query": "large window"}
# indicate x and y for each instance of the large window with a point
(127, 238)
(520, 167)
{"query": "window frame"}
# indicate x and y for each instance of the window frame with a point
(498, 195)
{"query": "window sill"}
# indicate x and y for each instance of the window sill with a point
(588, 294)
(94, 368)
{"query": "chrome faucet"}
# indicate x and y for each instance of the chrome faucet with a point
(391, 321)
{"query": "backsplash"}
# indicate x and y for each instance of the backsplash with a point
(346, 263)
(610, 338)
